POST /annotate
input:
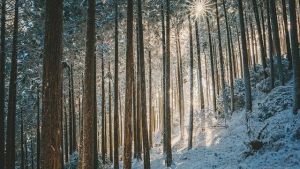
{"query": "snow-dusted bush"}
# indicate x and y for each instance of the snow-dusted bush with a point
(238, 99)
(278, 100)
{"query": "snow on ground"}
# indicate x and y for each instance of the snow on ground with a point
(220, 147)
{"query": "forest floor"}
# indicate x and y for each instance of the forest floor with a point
(216, 145)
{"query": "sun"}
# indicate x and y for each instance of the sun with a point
(199, 8)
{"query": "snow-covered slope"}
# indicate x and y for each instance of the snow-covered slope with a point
(217, 145)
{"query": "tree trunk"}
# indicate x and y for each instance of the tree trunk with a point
(221, 63)
(295, 55)
(190, 140)
(260, 37)
(211, 66)
(103, 102)
(167, 126)
(12, 99)
(2, 82)
(110, 120)
(276, 39)
(22, 141)
(270, 41)
(248, 99)
(230, 60)
(88, 151)
(129, 83)
(199, 66)
(287, 35)
(116, 90)
(150, 103)
(52, 87)
(38, 133)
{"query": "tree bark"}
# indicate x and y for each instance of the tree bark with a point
(88, 151)
(116, 90)
(287, 34)
(12, 98)
(199, 66)
(2, 81)
(191, 126)
(270, 41)
(52, 87)
(129, 83)
(295, 54)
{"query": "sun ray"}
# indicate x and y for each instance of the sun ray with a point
(199, 8)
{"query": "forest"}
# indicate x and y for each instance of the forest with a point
(179, 84)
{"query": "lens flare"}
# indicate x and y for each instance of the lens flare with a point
(199, 8)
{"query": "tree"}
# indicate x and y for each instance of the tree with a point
(199, 66)
(276, 39)
(103, 110)
(167, 126)
(287, 34)
(260, 37)
(190, 141)
(12, 98)
(109, 118)
(221, 61)
(129, 83)
(150, 103)
(295, 54)
(211, 65)
(52, 87)
(2, 81)
(143, 87)
(38, 132)
(248, 99)
(270, 41)
(116, 90)
(88, 156)
(22, 141)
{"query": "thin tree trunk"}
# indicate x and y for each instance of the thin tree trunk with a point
(211, 65)
(150, 103)
(167, 126)
(103, 102)
(287, 34)
(276, 39)
(229, 59)
(295, 54)
(260, 37)
(22, 142)
(221, 63)
(199, 67)
(191, 126)
(38, 132)
(248, 99)
(12, 99)
(270, 41)
(110, 120)
(116, 90)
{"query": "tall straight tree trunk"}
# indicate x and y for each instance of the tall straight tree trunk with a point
(229, 59)
(22, 141)
(103, 110)
(52, 87)
(143, 88)
(260, 37)
(70, 110)
(109, 119)
(221, 62)
(116, 90)
(287, 34)
(164, 55)
(74, 142)
(12, 99)
(167, 126)
(248, 99)
(180, 85)
(211, 65)
(38, 132)
(270, 41)
(32, 154)
(129, 83)
(295, 54)
(252, 44)
(276, 39)
(191, 126)
(150, 102)
(199, 67)
(66, 152)
(2, 82)
(88, 151)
